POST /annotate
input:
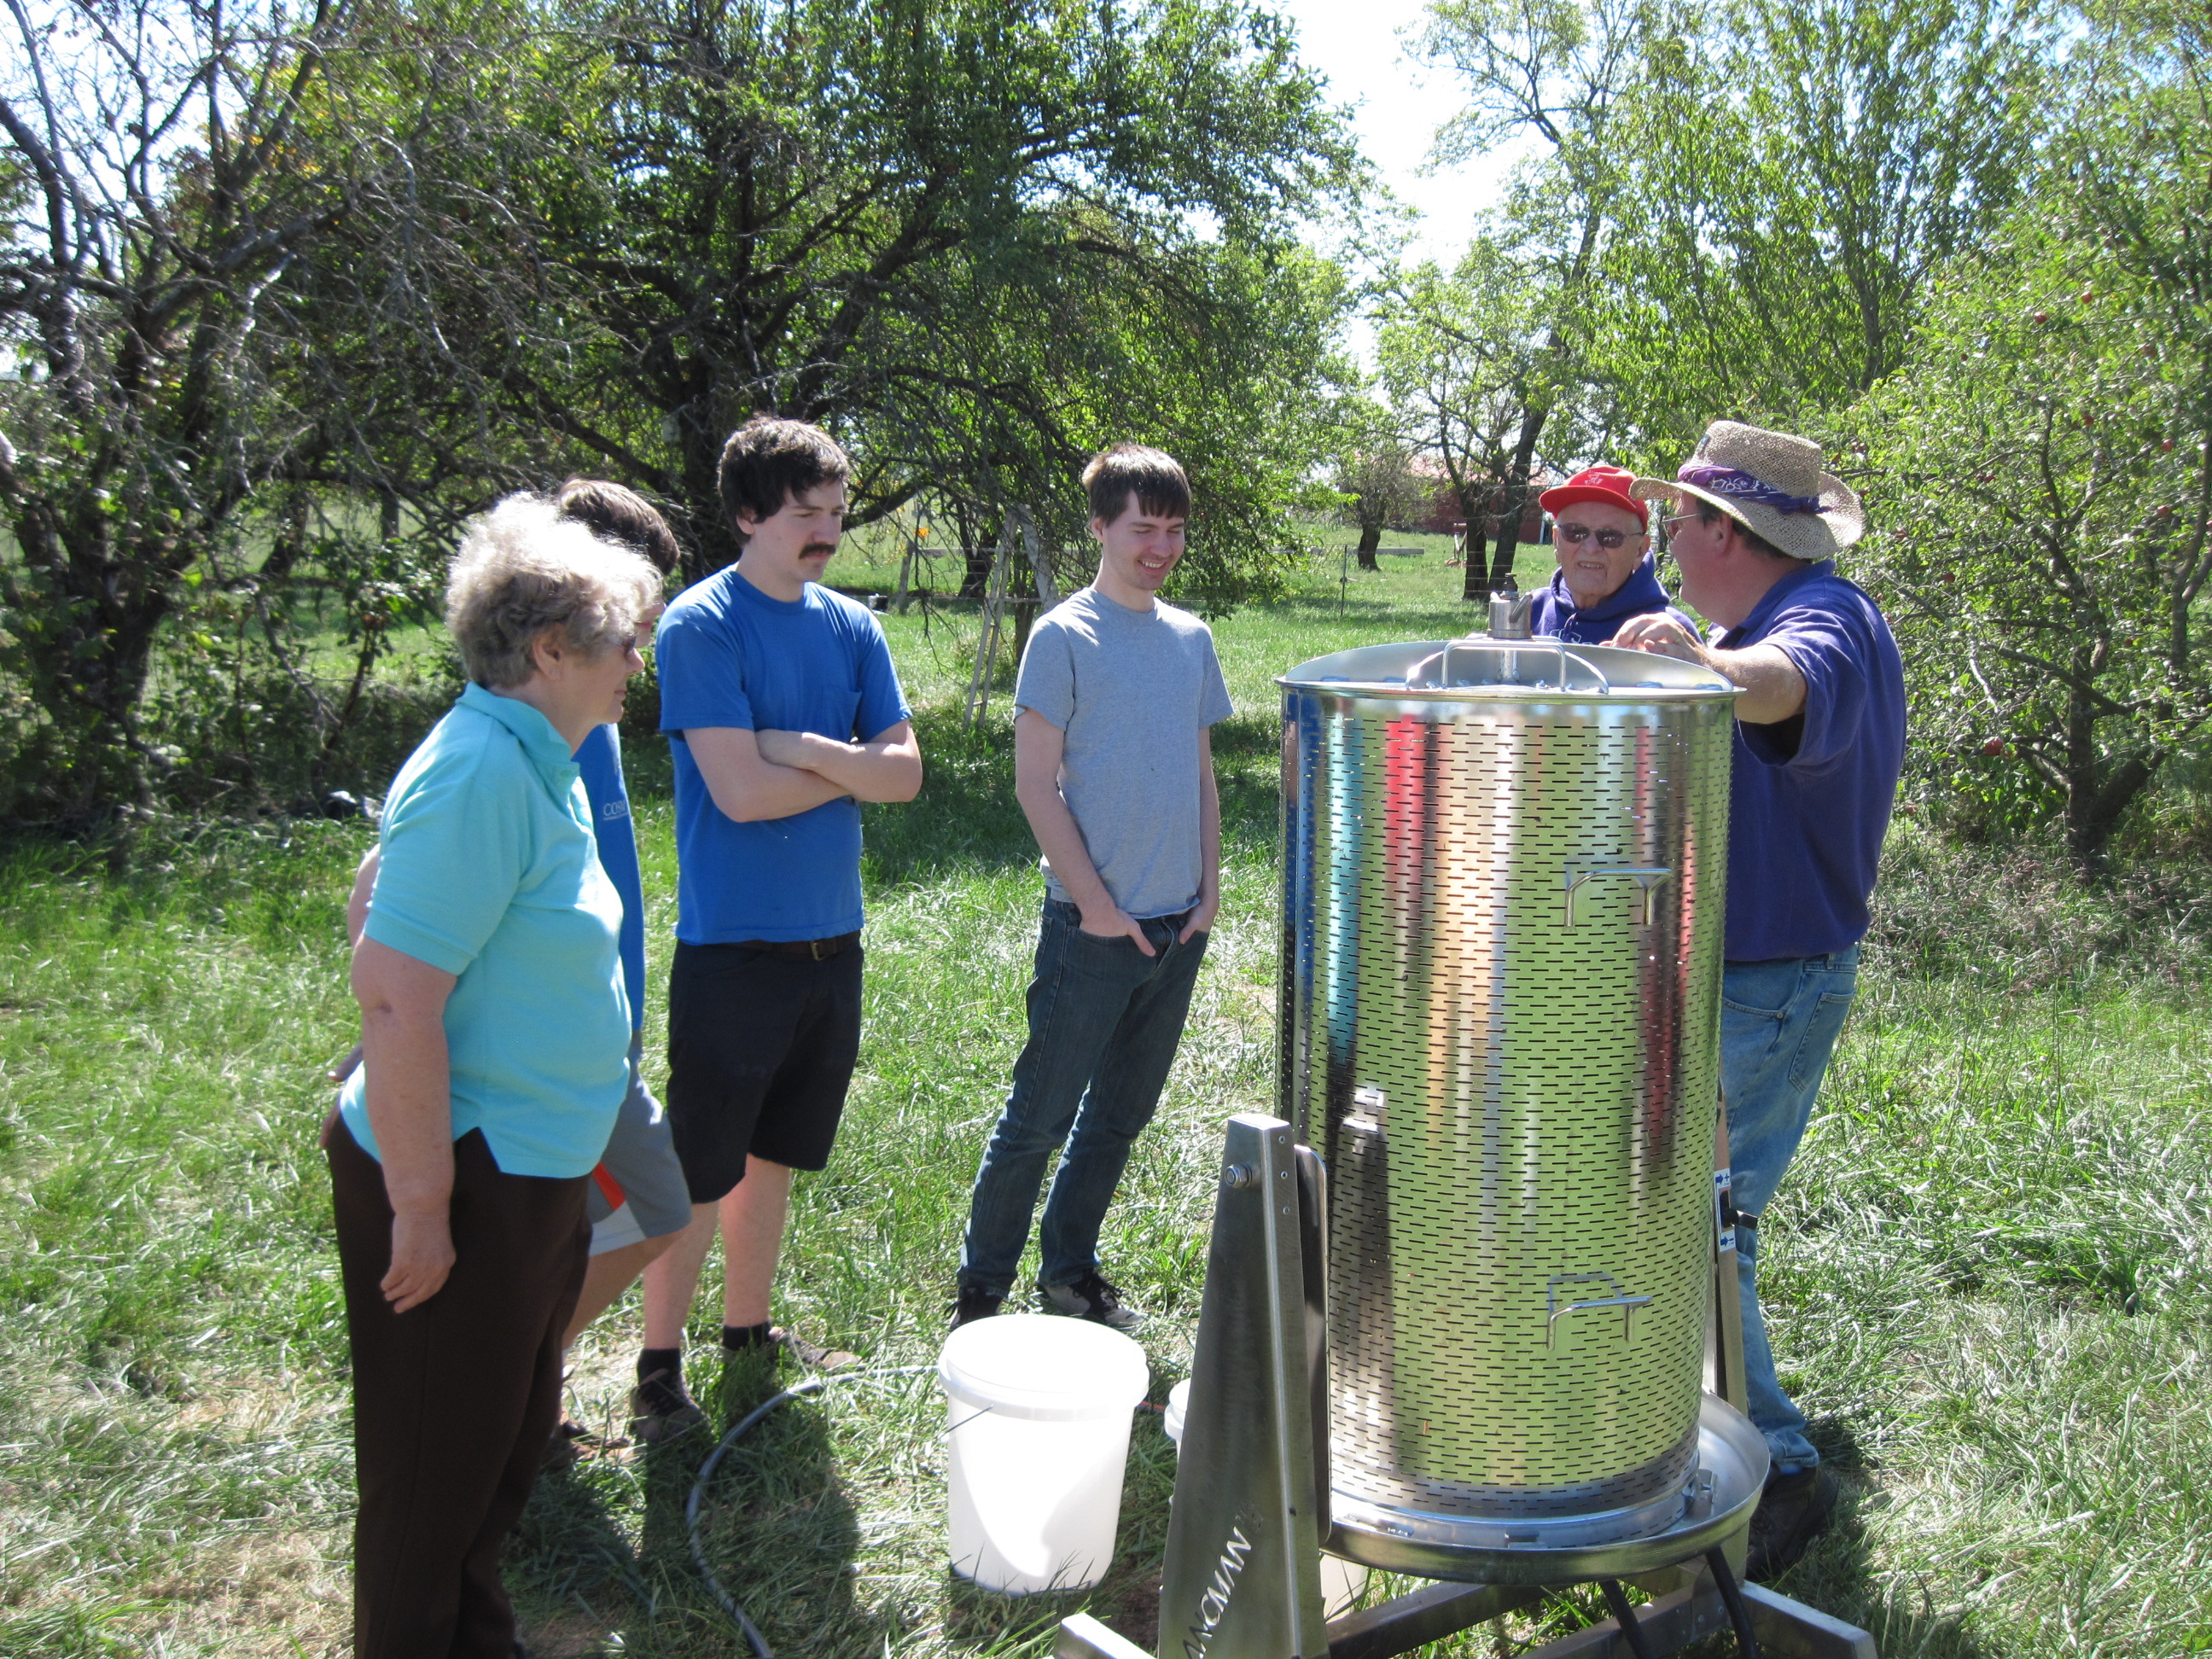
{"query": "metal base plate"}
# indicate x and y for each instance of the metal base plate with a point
(1730, 1451)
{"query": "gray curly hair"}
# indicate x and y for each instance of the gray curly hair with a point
(522, 568)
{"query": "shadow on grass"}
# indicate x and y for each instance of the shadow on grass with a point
(1838, 1577)
(776, 1525)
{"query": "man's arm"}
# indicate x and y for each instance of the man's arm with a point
(747, 786)
(886, 767)
(1039, 746)
(1209, 842)
(1772, 688)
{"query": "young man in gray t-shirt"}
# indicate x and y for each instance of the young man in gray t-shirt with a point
(1114, 767)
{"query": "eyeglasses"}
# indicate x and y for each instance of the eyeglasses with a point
(1679, 518)
(1574, 535)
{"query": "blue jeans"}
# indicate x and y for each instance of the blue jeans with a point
(1105, 1021)
(1779, 1022)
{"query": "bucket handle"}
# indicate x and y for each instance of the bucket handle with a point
(1556, 1310)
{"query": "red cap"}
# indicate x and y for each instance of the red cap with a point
(1606, 484)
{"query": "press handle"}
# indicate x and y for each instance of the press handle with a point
(1647, 878)
(1627, 1305)
(1555, 1311)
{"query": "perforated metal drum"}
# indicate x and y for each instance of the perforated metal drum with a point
(1504, 875)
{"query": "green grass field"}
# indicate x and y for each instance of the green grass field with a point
(1990, 1273)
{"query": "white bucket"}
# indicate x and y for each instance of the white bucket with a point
(1038, 1408)
(1341, 1582)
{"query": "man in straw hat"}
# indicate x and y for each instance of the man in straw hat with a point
(1820, 743)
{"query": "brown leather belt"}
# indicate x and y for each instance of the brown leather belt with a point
(811, 950)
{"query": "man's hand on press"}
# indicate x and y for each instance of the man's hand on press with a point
(1201, 918)
(1662, 636)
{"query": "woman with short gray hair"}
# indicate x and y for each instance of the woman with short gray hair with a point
(496, 1031)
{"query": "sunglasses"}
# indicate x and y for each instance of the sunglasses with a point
(1574, 535)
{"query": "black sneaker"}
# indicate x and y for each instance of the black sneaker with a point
(1793, 1511)
(1092, 1299)
(662, 1410)
(974, 1305)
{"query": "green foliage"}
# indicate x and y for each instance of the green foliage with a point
(961, 236)
(2048, 458)
(1798, 173)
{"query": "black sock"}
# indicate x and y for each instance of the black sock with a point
(745, 1336)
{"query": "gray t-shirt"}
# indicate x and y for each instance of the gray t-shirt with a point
(1132, 689)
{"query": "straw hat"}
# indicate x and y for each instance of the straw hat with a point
(1771, 484)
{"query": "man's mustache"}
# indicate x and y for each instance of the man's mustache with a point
(825, 549)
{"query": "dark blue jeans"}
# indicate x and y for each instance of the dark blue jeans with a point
(1105, 1021)
(1779, 1022)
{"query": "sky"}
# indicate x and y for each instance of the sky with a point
(1357, 46)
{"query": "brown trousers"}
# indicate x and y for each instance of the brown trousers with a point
(453, 1401)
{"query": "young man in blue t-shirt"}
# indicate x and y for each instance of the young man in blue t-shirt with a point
(1819, 742)
(1114, 768)
(783, 713)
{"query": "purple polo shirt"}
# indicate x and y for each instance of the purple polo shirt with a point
(1812, 793)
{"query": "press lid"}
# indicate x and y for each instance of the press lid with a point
(1479, 668)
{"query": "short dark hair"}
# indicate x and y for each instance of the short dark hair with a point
(768, 461)
(1707, 514)
(620, 515)
(1153, 475)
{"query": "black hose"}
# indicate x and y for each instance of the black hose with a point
(1747, 1644)
(1624, 1615)
(746, 1628)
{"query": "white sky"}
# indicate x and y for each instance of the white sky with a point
(1358, 45)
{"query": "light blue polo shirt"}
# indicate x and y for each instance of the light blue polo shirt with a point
(491, 872)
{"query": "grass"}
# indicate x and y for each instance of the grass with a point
(1989, 1269)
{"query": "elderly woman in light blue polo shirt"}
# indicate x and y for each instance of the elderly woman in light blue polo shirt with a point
(494, 1030)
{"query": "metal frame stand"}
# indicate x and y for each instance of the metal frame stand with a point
(1242, 1574)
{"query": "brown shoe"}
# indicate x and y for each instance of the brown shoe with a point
(807, 1354)
(661, 1410)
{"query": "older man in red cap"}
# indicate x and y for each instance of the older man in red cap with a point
(1601, 534)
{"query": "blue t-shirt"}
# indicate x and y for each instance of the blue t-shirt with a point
(731, 656)
(1554, 612)
(600, 761)
(1812, 793)
(491, 872)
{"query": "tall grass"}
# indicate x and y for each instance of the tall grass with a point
(1989, 1271)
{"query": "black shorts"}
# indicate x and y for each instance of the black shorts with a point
(761, 1050)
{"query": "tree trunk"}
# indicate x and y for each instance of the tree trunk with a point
(1370, 538)
(2093, 815)
(1475, 579)
(1515, 502)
